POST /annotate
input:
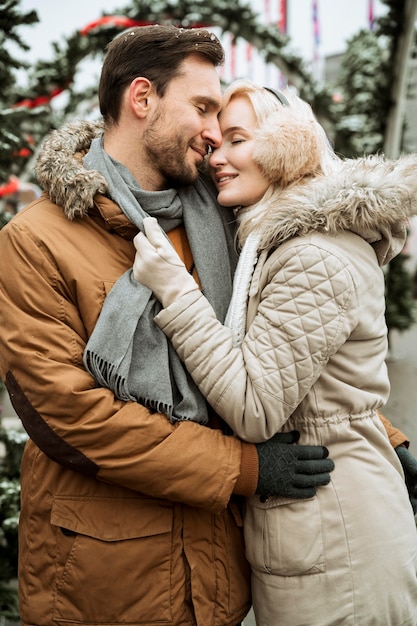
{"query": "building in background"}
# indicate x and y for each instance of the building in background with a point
(317, 29)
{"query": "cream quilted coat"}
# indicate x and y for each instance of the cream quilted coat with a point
(313, 359)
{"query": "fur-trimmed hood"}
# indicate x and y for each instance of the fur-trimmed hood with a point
(60, 171)
(371, 196)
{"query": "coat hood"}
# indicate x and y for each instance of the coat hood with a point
(60, 171)
(371, 196)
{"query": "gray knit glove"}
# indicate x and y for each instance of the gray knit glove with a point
(291, 471)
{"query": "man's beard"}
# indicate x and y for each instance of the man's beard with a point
(168, 154)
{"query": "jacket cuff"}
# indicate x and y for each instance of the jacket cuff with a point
(249, 468)
(183, 303)
(396, 437)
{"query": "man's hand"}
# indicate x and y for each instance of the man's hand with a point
(158, 266)
(291, 471)
(409, 464)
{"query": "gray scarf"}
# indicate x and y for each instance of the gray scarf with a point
(127, 352)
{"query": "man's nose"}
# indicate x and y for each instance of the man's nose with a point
(212, 134)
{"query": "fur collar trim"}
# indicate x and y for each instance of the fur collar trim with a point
(372, 196)
(60, 171)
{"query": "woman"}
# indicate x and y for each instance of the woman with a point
(303, 348)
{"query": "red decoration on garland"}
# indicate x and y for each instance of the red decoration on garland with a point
(12, 186)
(113, 20)
(40, 100)
(23, 152)
(125, 22)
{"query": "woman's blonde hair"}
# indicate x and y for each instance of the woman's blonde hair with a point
(291, 146)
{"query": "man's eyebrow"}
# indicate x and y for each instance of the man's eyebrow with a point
(213, 103)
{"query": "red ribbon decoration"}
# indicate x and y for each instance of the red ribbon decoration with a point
(10, 187)
(119, 20)
(113, 20)
(39, 100)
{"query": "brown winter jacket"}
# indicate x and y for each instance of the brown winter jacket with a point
(125, 518)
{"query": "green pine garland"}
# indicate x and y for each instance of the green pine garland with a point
(13, 443)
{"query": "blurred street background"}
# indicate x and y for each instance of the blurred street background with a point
(401, 409)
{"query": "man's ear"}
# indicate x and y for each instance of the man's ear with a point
(141, 94)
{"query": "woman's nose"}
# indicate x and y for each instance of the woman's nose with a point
(212, 134)
(216, 158)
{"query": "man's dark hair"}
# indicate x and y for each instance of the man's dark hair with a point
(155, 52)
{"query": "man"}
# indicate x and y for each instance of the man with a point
(128, 516)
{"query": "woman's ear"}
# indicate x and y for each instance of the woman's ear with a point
(286, 147)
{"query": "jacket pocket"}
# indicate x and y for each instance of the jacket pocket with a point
(284, 536)
(113, 561)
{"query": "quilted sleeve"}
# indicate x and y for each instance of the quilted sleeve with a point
(306, 312)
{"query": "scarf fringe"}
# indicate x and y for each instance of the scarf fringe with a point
(106, 375)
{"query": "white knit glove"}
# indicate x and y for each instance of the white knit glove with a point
(158, 266)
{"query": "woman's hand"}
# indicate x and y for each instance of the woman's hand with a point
(158, 266)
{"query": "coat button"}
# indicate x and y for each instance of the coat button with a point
(264, 499)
